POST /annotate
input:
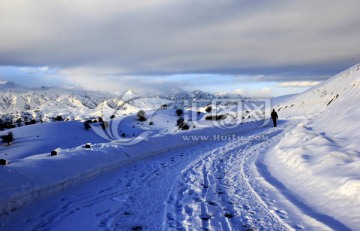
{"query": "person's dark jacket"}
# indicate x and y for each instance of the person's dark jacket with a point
(274, 115)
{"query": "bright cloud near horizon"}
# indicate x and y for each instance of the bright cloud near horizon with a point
(259, 48)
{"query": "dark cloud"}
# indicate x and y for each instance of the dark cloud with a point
(304, 39)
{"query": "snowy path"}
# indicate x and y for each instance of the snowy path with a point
(214, 193)
(202, 187)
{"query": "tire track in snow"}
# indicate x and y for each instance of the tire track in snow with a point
(134, 197)
(117, 204)
(216, 191)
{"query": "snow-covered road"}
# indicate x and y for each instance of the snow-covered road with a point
(207, 186)
(214, 193)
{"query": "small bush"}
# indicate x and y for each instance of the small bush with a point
(87, 125)
(185, 126)
(215, 117)
(179, 112)
(208, 109)
(112, 117)
(7, 138)
(87, 146)
(151, 123)
(54, 153)
(141, 115)
(59, 118)
(9, 125)
(180, 122)
(3, 162)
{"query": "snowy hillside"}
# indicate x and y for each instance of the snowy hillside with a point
(329, 94)
(320, 159)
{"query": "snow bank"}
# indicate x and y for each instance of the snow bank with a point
(40, 138)
(319, 161)
(321, 173)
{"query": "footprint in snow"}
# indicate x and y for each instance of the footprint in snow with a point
(137, 228)
(128, 213)
(212, 203)
(205, 217)
(228, 215)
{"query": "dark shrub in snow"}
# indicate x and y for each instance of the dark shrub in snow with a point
(141, 115)
(53, 153)
(179, 112)
(87, 146)
(8, 138)
(180, 122)
(208, 109)
(59, 118)
(3, 162)
(215, 117)
(184, 126)
(9, 125)
(151, 123)
(87, 125)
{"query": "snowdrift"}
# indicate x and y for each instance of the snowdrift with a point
(320, 159)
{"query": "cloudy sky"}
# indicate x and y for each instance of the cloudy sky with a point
(256, 48)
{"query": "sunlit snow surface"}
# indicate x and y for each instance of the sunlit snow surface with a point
(304, 174)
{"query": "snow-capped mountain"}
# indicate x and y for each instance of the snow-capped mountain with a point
(48, 102)
(9, 85)
(45, 103)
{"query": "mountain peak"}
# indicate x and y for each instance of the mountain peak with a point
(9, 85)
(128, 95)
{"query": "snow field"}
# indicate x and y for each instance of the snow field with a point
(320, 172)
(129, 197)
(20, 182)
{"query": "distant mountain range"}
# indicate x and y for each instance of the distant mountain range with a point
(45, 103)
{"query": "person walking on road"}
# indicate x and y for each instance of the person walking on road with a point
(274, 117)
